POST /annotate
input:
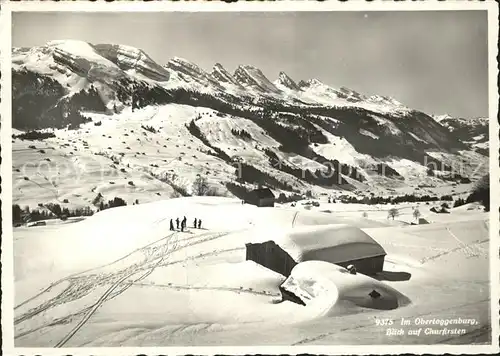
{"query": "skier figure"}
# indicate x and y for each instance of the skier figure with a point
(195, 223)
(199, 223)
(184, 222)
(172, 225)
(177, 222)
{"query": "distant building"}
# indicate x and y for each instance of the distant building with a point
(339, 244)
(261, 197)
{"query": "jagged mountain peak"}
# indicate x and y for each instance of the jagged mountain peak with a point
(88, 62)
(110, 51)
(351, 95)
(247, 67)
(322, 117)
(384, 100)
(285, 81)
(86, 49)
(472, 131)
(348, 90)
(447, 119)
(137, 52)
(310, 83)
(219, 66)
(176, 61)
(442, 117)
(132, 58)
(75, 50)
(109, 62)
(67, 42)
(252, 77)
(221, 74)
(180, 59)
(191, 72)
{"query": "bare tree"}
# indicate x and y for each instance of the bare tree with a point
(175, 194)
(392, 213)
(212, 192)
(416, 214)
(200, 186)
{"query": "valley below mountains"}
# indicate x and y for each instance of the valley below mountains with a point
(92, 122)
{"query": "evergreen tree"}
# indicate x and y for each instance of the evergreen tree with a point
(16, 213)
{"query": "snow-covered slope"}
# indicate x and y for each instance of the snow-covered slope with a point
(78, 284)
(316, 91)
(320, 92)
(293, 137)
(220, 74)
(150, 153)
(69, 61)
(132, 60)
(71, 69)
(79, 66)
(253, 79)
(473, 131)
(285, 82)
(191, 72)
(455, 123)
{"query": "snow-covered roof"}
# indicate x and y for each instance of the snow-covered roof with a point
(332, 243)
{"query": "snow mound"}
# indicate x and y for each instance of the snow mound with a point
(327, 289)
(468, 207)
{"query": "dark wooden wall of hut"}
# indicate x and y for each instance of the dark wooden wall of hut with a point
(270, 255)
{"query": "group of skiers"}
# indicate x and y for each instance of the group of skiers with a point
(182, 224)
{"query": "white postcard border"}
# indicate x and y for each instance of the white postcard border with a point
(6, 169)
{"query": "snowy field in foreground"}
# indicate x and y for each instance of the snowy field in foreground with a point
(121, 278)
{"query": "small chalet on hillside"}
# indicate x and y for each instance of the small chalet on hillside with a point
(260, 197)
(339, 244)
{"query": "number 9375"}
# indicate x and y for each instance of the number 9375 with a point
(384, 322)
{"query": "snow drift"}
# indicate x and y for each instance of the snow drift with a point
(327, 289)
(196, 288)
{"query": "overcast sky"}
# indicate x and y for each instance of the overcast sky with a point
(432, 61)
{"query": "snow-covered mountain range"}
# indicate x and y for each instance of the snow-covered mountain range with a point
(114, 105)
(473, 131)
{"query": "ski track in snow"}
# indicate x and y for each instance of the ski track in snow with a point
(70, 308)
(82, 284)
(203, 288)
(467, 249)
(103, 298)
